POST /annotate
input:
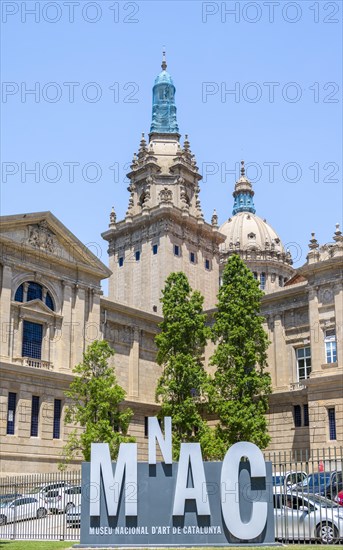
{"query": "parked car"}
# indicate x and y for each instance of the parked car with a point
(9, 496)
(283, 482)
(24, 507)
(327, 484)
(73, 516)
(339, 498)
(298, 517)
(42, 490)
(62, 499)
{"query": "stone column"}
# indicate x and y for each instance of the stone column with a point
(317, 345)
(63, 339)
(46, 342)
(134, 363)
(25, 289)
(18, 338)
(78, 316)
(280, 354)
(5, 305)
(92, 329)
(338, 289)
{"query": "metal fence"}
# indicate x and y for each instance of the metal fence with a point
(306, 490)
(37, 506)
(307, 495)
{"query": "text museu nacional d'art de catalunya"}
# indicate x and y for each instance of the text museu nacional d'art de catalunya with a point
(186, 503)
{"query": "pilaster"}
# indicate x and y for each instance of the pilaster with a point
(5, 304)
(338, 297)
(134, 363)
(317, 345)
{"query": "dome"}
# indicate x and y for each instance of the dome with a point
(249, 232)
(164, 78)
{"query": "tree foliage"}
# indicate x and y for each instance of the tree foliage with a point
(96, 405)
(241, 385)
(181, 342)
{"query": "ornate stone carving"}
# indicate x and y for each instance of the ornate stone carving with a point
(41, 237)
(166, 195)
(326, 295)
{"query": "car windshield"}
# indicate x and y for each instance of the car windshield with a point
(325, 502)
(314, 480)
(278, 480)
(36, 490)
(5, 502)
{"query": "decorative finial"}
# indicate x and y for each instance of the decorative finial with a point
(214, 219)
(164, 62)
(338, 233)
(142, 147)
(313, 242)
(113, 217)
(242, 168)
(186, 144)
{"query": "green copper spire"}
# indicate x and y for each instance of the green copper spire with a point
(163, 103)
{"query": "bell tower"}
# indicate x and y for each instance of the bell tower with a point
(164, 228)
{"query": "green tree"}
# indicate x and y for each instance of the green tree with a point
(95, 405)
(181, 343)
(241, 385)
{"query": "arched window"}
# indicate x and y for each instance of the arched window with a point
(34, 292)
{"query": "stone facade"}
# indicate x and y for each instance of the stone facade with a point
(163, 231)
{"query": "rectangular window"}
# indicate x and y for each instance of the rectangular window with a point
(330, 346)
(11, 407)
(332, 424)
(192, 257)
(57, 419)
(34, 416)
(154, 249)
(303, 362)
(255, 275)
(146, 430)
(306, 416)
(297, 416)
(121, 261)
(176, 250)
(262, 281)
(138, 255)
(32, 340)
(207, 264)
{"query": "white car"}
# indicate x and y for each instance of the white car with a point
(63, 499)
(286, 481)
(73, 516)
(301, 517)
(24, 507)
(42, 490)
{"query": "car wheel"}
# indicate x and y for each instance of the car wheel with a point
(327, 533)
(3, 520)
(41, 513)
(69, 506)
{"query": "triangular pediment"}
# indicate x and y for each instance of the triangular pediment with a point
(36, 306)
(42, 233)
(297, 278)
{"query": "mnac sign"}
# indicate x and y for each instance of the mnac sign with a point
(191, 502)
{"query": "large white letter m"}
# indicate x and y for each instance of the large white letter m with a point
(101, 466)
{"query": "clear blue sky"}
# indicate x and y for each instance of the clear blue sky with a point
(121, 49)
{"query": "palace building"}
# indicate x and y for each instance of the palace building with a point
(52, 305)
